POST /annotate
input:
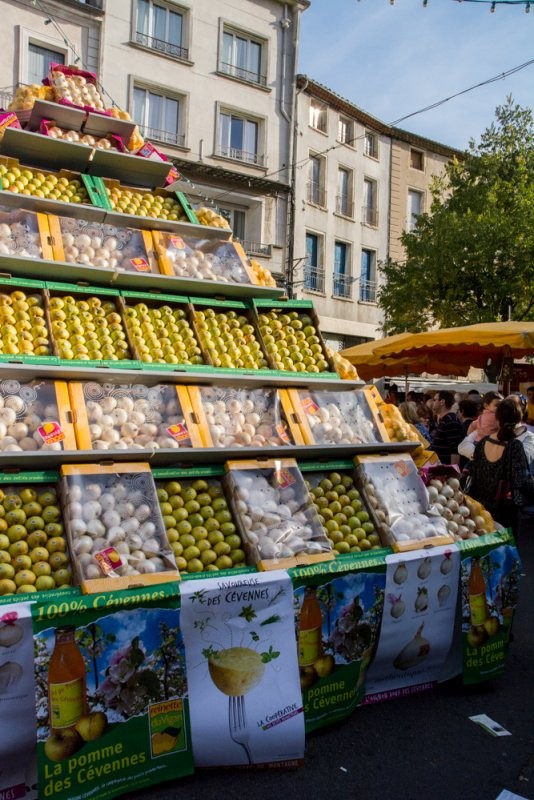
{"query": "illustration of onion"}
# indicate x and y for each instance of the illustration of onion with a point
(446, 565)
(401, 574)
(236, 671)
(398, 606)
(421, 601)
(443, 594)
(414, 652)
(424, 568)
(10, 673)
(10, 632)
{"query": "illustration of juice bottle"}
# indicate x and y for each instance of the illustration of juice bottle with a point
(67, 699)
(310, 628)
(476, 588)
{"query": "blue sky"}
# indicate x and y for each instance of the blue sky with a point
(393, 60)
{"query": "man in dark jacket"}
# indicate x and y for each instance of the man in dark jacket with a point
(448, 432)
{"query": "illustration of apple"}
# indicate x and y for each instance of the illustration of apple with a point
(91, 726)
(492, 626)
(477, 636)
(324, 665)
(62, 744)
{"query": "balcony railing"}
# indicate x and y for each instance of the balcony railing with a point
(370, 216)
(342, 285)
(316, 194)
(6, 96)
(257, 249)
(344, 206)
(314, 279)
(93, 3)
(368, 291)
(167, 137)
(242, 74)
(241, 155)
(161, 45)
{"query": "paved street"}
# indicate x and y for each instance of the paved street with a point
(422, 747)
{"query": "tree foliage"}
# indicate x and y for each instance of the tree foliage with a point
(471, 258)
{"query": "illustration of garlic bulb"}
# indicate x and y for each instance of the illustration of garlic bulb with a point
(10, 673)
(424, 568)
(10, 634)
(414, 652)
(401, 574)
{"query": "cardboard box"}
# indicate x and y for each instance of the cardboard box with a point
(113, 188)
(29, 339)
(114, 527)
(146, 417)
(327, 416)
(28, 235)
(62, 174)
(97, 244)
(86, 311)
(216, 320)
(398, 503)
(40, 414)
(248, 417)
(186, 256)
(164, 319)
(278, 522)
(287, 315)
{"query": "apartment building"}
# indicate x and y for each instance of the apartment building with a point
(210, 84)
(358, 184)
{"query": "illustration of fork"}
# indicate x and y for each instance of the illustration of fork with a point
(238, 723)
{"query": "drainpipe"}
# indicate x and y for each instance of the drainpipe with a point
(290, 251)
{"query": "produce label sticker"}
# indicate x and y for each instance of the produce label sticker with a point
(310, 406)
(489, 577)
(51, 432)
(179, 432)
(133, 728)
(417, 622)
(403, 468)
(108, 560)
(333, 665)
(177, 242)
(242, 670)
(282, 433)
(285, 478)
(140, 264)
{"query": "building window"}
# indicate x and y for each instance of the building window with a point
(345, 131)
(415, 208)
(239, 138)
(39, 59)
(159, 116)
(236, 220)
(160, 28)
(344, 193)
(369, 208)
(417, 160)
(315, 187)
(242, 57)
(318, 116)
(370, 145)
(368, 277)
(313, 264)
(342, 277)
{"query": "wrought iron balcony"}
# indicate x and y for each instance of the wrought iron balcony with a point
(313, 279)
(242, 74)
(161, 46)
(342, 285)
(241, 155)
(368, 291)
(257, 249)
(316, 194)
(167, 137)
(6, 96)
(344, 206)
(370, 216)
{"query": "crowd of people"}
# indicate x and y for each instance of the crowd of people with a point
(490, 438)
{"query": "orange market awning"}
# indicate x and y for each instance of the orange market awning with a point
(446, 351)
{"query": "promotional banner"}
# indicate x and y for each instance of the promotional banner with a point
(417, 623)
(242, 670)
(17, 703)
(110, 693)
(490, 588)
(338, 619)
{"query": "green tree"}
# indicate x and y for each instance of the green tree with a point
(471, 259)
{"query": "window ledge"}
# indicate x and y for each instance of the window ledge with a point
(316, 205)
(344, 299)
(346, 144)
(315, 292)
(182, 148)
(367, 302)
(343, 216)
(373, 158)
(313, 128)
(243, 82)
(235, 161)
(154, 52)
